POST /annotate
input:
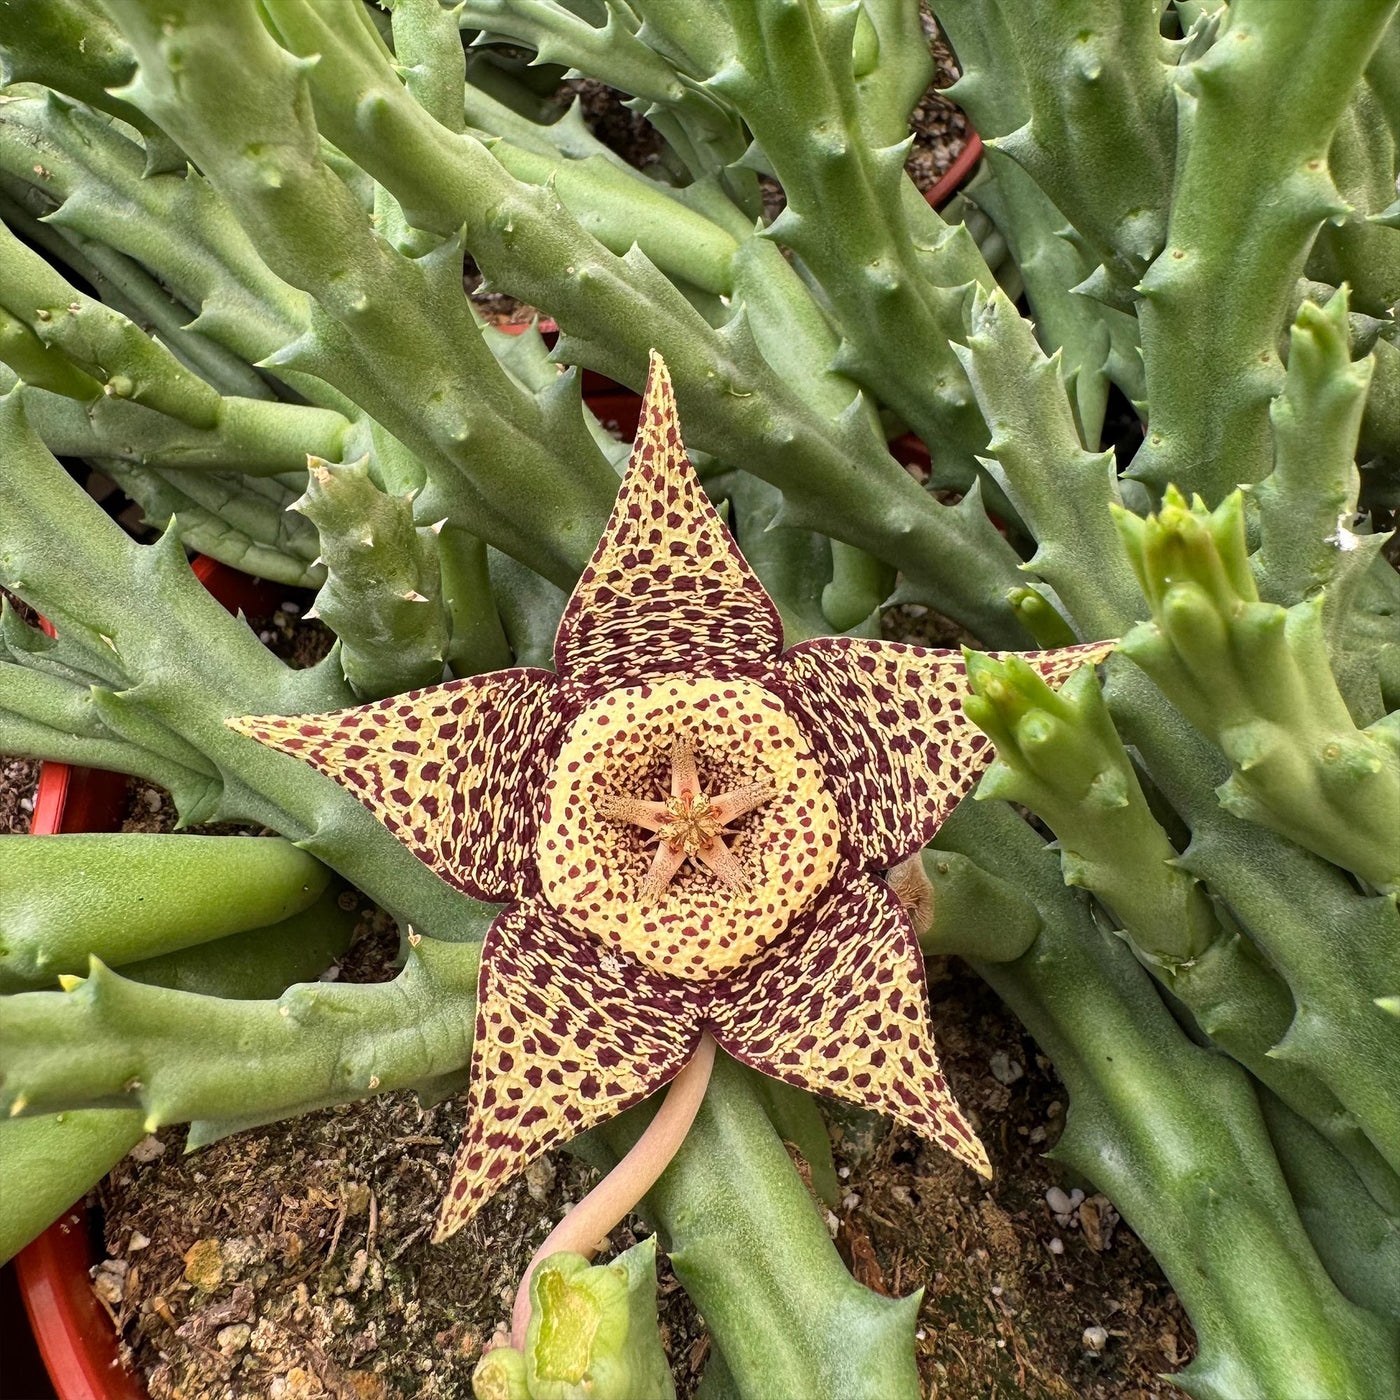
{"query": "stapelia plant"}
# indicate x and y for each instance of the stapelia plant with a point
(231, 280)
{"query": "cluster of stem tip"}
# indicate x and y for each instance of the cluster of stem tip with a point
(1256, 679)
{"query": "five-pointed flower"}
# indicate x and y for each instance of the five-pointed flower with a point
(689, 827)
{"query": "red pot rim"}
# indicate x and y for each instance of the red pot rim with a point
(74, 1334)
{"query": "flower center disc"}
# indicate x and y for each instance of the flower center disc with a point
(592, 867)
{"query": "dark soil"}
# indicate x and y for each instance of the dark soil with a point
(293, 1260)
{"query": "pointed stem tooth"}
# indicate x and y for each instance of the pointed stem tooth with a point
(18, 1106)
(436, 526)
(310, 614)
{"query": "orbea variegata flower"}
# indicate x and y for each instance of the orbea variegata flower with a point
(689, 826)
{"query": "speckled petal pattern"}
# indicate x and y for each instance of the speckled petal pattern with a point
(593, 866)
(568, 1033)
(839, 1007)
(455, 771)
(886, 720)
(667, 589)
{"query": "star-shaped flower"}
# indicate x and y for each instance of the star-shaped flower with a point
(689, 827)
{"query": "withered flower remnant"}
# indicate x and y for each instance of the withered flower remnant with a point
(794, 779)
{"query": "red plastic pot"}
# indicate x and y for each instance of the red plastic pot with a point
(74, 1334)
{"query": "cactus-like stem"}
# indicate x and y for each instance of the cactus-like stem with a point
(732, 1206)
(383, 591)
(60, 1156)
(1201, 1188)
(1336, 949)
(1060, 490)
(109, 1041)
(1101, 71)
(1256, 679)
(835, 476)
(974, 913)
(115, 354)
(93, 178)
(523, 471)
(242, 521)
(127, 287)
(701, 128)
(1363, 248)
(1356, 1238)
(1310, 497)
(1097, 343)
(1243, 216)
(126, 897)
(791, 79)
(255, 437)
(1059, 754)
(477, 641)
(1310, 534)
(70, 45)
(139, 614)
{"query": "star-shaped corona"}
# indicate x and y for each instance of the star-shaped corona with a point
(690, 828)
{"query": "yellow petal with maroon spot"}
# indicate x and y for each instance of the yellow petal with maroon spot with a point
(886, 720)
(455, 771)
(568, 1033)
(839, 1007)
(667, 588)
(593, 865)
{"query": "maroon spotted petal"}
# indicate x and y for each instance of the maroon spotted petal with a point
(838, 1007)
(886, 720)
(455, 771)
(667, 588)
(568, 1033)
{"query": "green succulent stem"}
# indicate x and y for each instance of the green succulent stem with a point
(61, 1156)
(1062, 491)
(834, 475)
(1337, 949)
(1059, 754)
(178, 1056)
(891, 282)
(1099, 134)
(1356, 1237)
(521, 471)
(126, 897)
(383, 591)
(1204, 1192)
(1256, 679)
(1243, 216)
(1311, 494)
(132, 679)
